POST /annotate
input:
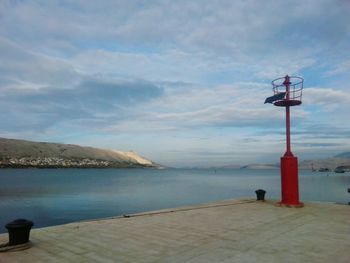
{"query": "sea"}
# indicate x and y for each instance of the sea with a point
(57, 196)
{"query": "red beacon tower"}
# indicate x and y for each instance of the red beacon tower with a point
(287, 93)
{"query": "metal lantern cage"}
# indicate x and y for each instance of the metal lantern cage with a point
(293, 89)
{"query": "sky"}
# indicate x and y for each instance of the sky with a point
(180, 82)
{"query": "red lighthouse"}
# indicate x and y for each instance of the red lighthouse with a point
(287, 93)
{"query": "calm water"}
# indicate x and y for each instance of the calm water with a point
(57, 196)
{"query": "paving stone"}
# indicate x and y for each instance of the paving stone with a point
(227, 231)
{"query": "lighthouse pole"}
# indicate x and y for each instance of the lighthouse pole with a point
(288, 148)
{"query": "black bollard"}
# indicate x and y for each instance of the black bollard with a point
(260, 194)
(19, 230)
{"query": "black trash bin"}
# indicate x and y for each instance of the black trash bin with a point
(260, 194)
(19, 230)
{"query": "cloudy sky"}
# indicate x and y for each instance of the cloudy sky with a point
(180, 82)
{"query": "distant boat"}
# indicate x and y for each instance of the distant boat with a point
(324, 169)
(340, 169)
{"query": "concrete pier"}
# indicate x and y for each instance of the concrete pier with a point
(227, 231)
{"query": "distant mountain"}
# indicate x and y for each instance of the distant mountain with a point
(340, 161)
(330, 163)
(260, 166)
(21, 153)
(343, 155)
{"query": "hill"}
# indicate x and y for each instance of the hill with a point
(260, 166)
(345, 155)
(330, 163)
(21, 153)
(339, 160)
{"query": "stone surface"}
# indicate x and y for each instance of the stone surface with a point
(228, 231)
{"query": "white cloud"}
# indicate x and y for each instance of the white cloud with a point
(343, 67)
(236, 106)
(25, 67)
(327, 97)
